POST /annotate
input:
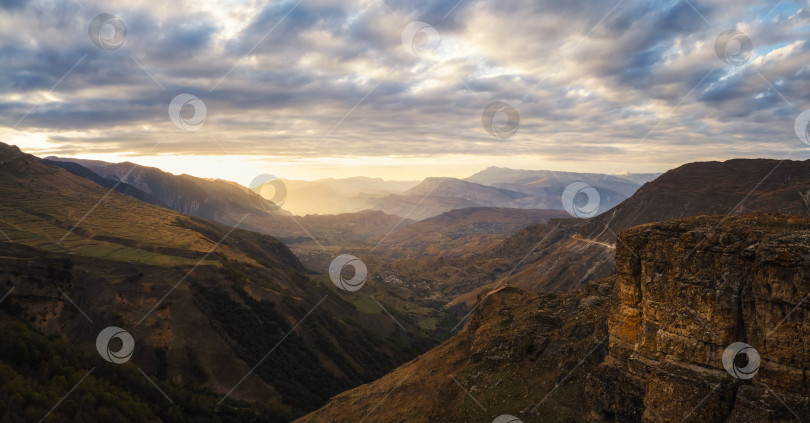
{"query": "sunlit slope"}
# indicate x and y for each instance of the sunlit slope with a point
(53, 210)
(204, 302)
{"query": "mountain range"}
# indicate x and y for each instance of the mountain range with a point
(226, 202)
(479, 304)
(493, 187)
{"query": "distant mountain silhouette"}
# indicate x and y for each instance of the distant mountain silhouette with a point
(228, 202)
(122, 187)
(541, 189)
(434, 196)
(545, 187)
(338, 196)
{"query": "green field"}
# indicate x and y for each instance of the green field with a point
(366, 305)
(427, 324)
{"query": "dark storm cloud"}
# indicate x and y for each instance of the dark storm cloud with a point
(11, 5)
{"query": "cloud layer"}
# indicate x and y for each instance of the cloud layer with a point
(597, 82)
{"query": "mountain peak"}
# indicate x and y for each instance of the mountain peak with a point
(454, 187)
(9, 152)
(731, 187)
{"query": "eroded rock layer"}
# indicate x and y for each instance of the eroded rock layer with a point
(687, 290)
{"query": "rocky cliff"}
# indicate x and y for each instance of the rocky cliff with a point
(644, 345)
(689, 289)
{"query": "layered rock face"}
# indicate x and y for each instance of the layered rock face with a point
(644, 346)
(687, 290)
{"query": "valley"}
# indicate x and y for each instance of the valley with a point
(189, 290)
(464, 315)
(354, 211)
(645, 344)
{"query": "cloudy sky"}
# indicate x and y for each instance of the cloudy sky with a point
(318, 88)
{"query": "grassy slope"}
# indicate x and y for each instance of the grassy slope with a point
(37, 371)
(227, 313)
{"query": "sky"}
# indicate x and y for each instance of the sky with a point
(308, 89)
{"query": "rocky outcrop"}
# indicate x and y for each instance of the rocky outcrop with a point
(520, 355)
(645, 345)
(687, 290)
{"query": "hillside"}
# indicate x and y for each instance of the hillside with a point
(216, 200)
(463, 231)
(739, 186)
(567, 253)
(545, 187)
(435, 196)
(515, 347)
(476, 193)
(122, 187)
(37, 371)
(204, 302)
(227, 203)
(623, 184)
(694, 189)
(323, 196)
(669, 314)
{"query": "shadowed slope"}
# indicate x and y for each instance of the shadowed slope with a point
(204, 302)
